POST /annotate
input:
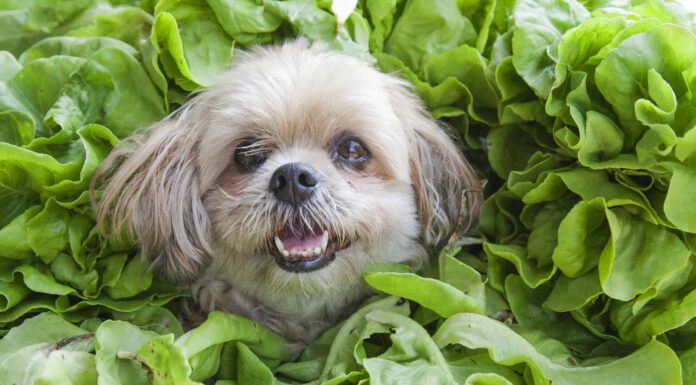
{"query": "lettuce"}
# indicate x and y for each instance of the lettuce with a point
(579, 113)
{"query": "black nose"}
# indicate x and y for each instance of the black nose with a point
(294, 182)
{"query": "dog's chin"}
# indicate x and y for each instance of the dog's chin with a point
(301, 250)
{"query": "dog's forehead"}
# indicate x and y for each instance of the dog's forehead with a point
(292, 94)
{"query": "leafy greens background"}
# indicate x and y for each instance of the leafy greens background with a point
(580, 113)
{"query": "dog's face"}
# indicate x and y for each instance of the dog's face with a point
(294, 172)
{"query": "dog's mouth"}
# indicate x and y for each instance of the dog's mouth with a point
(304, 250)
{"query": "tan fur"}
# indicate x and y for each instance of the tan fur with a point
(441, 176)
(202, 221)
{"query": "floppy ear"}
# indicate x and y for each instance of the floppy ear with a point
(448, 191)
(151, 194)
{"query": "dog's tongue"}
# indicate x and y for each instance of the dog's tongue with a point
(302, 241)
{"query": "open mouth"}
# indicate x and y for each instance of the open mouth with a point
(304, 250)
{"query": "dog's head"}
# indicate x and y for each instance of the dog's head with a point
(292, 173)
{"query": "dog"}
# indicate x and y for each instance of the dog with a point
(268, 193)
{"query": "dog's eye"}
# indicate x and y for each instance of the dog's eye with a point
(352, 150)
(249, 155)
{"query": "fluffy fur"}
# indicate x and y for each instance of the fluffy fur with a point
(206, 224)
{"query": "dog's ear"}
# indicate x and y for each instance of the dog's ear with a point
(448, 191)
(150, 193)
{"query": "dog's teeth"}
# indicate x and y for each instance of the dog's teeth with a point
(317, 250)
(324, 241)
(279, 245)
(285, 253)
